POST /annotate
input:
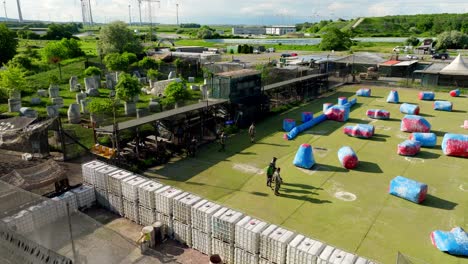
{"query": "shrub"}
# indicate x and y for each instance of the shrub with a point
(92, 71)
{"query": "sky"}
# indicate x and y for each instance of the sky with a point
(247, 12)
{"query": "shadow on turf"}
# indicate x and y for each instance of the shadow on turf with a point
(371, 167)
(272, 144)
(287, 190)
(427, 155)
(303, 198)
(326, 167)
(436, 202)
(259, 194)
(439, 133)
(247, 153)
(458, 111)
(425, 115)
(303, 186)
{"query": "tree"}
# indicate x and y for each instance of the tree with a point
(335, 39)
(117, 38)
(452, 40)
(177, 63)
(72, 47)
(55, 52)
(205, 32)
(176, 92)
(127, 88)
(8, 44)
(60, 31)
(115, 62)
(100, 106)
(92, 71)
(412, 41)
(147, 63)
(152, 74)
(12, 79)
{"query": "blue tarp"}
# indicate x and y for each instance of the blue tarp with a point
(295, 131)
(408, 189)
(304, 157)
(454, 242)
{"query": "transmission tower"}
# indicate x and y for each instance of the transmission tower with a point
(86, 12)
(4, 7)
(20, 15)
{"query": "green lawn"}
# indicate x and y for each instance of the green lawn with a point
(375, 225)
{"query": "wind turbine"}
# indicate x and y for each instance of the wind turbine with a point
(177, 12)
(4, 7)
(20, 15)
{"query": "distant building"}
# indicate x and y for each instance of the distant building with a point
(426, 46)
(248, 31)
(280, 30)
(192, 49)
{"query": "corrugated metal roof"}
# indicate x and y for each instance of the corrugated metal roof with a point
(434, 68)
(362, 58)
(406, 63)
(390, 62)
(239, 73)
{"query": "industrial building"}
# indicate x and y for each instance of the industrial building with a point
(248, 31)
(280, 30)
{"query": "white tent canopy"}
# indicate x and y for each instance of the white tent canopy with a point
(457, 67)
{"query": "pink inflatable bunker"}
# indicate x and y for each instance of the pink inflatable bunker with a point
(348, 158)
(455, 145)
(455, 93)
(359, 130)
(409, 148)
(378, 114)
(414, 123)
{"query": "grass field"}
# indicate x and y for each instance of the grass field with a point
(375, 225)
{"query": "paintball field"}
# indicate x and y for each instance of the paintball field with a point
(349, 209)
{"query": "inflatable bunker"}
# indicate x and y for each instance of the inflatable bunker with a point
(304, 157)
(410, 109)
(378, 114)
(342, 100)
(364, 92)
(338, 113)
(454, 242)
(428, 96)
(300, 128)
(425, 139)
(359, 130)
(443, 106)
(288, 124)
(455, 145)
(408, 189)
(465, 124)
(455, 93)
(414, 123)
(307, 116)
(348, 158)
(409, 148)
(393, 97)
(326, 106)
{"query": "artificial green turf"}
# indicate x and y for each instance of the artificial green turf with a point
(375, 225)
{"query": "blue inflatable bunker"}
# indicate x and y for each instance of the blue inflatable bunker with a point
(295, 131)
(304, 157)
(414, 123)
(426, 139)
(348, 157)
(455, 93)
(409, 148)
(326, 106)
(288, 124)
(342, 100)
(443, 106)
(455, 145)
(307, 116)
(410, 109)
(454, 242)
(408, 189)
(364, 92)
(428, 96)
(393, 97)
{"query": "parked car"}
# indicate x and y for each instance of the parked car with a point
(441, 56)
(256, 51)
(411, 57)
(404, 49)
(285, 55)
(270, 50)
(293, 54)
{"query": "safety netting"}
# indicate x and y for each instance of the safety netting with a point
(425, 139)
(454, 242)
(408, 189)
(455, 145)
(378, 114)
(410, 109)
(409, 148)
(364, 92)
(428, 96)
(443, 106)
(414, 123)
(348, 158)
(393, 97)
(359, 130)
(304, 157)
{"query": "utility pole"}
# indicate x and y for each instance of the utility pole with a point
(4, 7)
(20, 15)
(129, 15)
(139, 9)
(177, 13)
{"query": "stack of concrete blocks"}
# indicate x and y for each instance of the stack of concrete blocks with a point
(202, 213)
(130, 197)
(102, 174)
(62, 201)
(247, 240)
(303, 250)
(43, 213)
(182, 217)
(334, 255)
(223, 226)
(21, 222)
(89, 171)
(85, 196)
(147, 202)
(274, 241)
(164, 198)
(114, 190)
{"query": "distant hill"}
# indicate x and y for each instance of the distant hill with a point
(395, 26)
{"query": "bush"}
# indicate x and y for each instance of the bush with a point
(92, 71)
(100, 106)
(232, 129)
